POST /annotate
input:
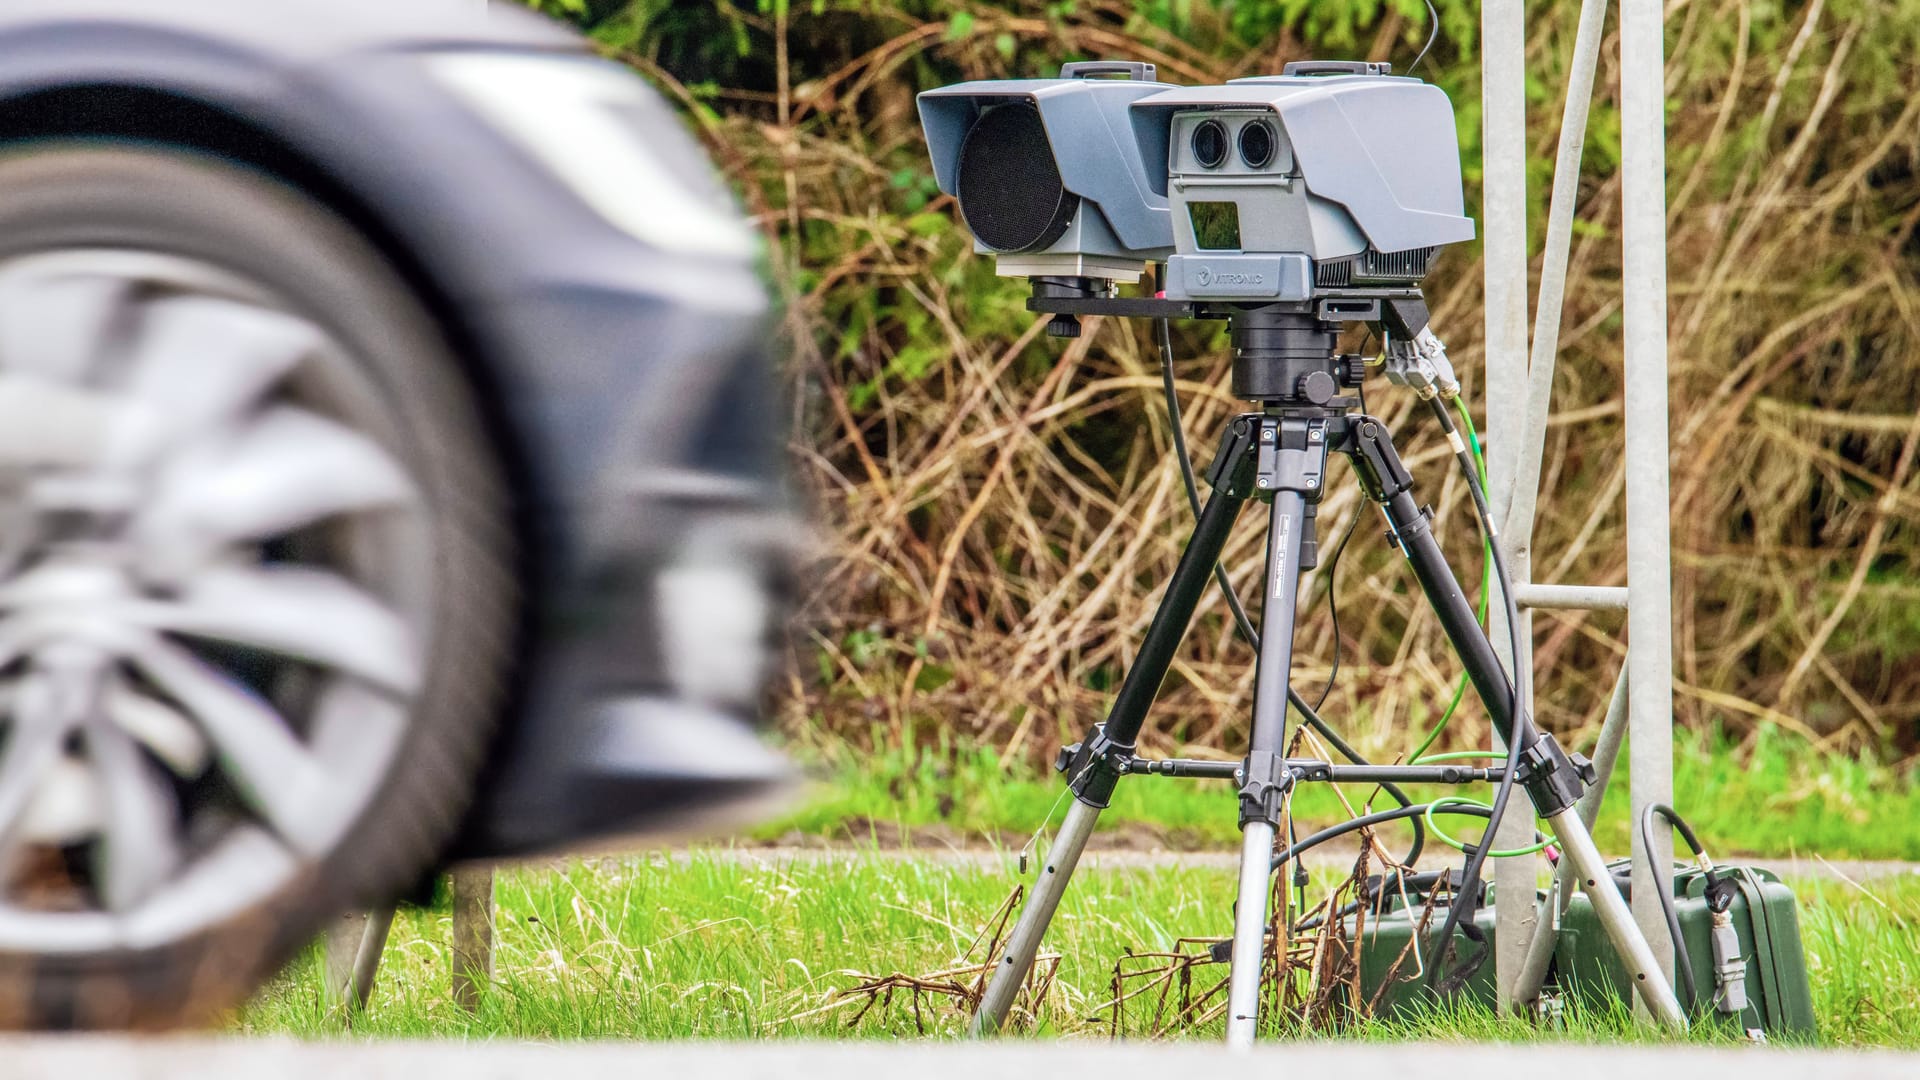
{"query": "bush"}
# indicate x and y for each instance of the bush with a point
(1006, 508)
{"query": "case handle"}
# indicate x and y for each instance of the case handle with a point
(1336, 67)
(1132, 69)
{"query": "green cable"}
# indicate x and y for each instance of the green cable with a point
(1460, 800)
(1486, 579)
(1419, 756)
(1459, 755)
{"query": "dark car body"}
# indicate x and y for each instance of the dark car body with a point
(629, 385)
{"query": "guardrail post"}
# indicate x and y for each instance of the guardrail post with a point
(339, 949)
(472, 956)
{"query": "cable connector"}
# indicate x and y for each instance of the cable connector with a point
(1729, 967)
(1420, 364)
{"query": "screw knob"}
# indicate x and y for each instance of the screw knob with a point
(1318, 387)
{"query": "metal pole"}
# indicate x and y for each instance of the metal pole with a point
(1553, 265)
(472, 959)
(1613, 731)
(1285, 528)
(1643, 213)
(1636, 955)
(1571, 597)
(340, 949)
(1024, 944)
(1503, 220)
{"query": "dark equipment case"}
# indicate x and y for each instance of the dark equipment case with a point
(1585, 969)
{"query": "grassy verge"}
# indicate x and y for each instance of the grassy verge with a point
(707, 946)
(1771, 797)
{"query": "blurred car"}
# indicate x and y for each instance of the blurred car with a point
(390, 472)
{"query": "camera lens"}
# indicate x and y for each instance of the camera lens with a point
(1256, 144)
(1010, 188)
(1210, 144)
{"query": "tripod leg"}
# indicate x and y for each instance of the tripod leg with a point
(1024, 944)
(1544, 766)
(1533, 973)
(1266, 745)
(1096, 768)
(1577, 847)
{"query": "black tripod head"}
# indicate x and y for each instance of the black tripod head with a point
(1286, 355)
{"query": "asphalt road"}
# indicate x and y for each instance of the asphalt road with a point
(249, 1059)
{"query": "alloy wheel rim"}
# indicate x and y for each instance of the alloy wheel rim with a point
(215, 587)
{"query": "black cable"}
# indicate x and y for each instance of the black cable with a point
(1172, 395)
(1333, 586)
(1308, 713)
(1518, 702)
(1433, 32)
(1418, 884)
(1664, 890)
(1381, 817)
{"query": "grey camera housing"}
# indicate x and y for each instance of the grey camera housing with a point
(1122, 219)
(1362, 186)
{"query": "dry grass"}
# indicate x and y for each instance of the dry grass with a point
(1004, 508)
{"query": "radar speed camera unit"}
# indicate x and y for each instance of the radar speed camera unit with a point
(1289, 206)
(1326, 190)
(1282, 186)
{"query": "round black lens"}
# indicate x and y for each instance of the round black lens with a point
(1256, 144)
(1210, 144)
(1010, 188)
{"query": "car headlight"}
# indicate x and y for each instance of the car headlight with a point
(606, 135)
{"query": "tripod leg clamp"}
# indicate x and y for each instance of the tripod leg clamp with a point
(1554, 779)
(1265, 780)
(1232, 471)
(1094, 766)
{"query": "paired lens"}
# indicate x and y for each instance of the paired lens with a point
(1210, 144)
(1256, 144)
(1258, 141)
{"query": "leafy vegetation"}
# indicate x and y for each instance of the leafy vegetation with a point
(1003, 508)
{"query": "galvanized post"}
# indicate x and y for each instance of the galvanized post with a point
(340, 948)
(1503, 220)
(1643, 213)
(472, 956)
(1536, 939)
(1553, 264)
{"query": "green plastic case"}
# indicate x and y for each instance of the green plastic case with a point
(1780, 1000)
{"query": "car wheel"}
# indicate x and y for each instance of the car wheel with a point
(256, 594)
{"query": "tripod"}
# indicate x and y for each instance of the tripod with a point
(1285, 360)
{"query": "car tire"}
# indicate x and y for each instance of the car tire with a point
(383, 370)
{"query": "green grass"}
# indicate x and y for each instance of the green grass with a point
(713, 946)
(1773, 797)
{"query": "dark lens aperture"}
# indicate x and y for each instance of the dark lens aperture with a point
(1210, 144)
(1256, 144)
(1010, 188)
